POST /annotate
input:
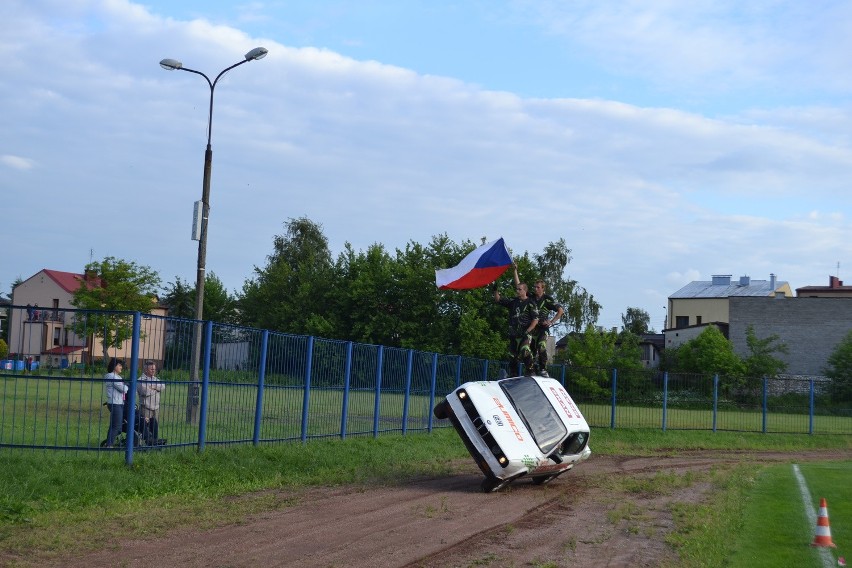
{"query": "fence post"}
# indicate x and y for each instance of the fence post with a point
(205, 385)
(612, 412)
(458, 370)
(377, 407)
(408, 366)
(432, 389)
(765, 389)
(811, 407)
(484, 370)
(131, 398)
(665, 398)
(562, 377)
(261, 377)
(306, 398)
(715, 399)
(347, 381)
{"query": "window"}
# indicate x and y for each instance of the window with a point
(535, 410)
(681, 321)
(697, 320)
(56, 334)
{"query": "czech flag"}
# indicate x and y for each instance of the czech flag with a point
(480, 268)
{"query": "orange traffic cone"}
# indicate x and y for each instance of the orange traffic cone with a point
(823, 530)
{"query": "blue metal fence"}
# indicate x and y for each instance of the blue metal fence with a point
(258, 386)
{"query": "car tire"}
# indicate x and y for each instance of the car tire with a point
(491, 484)
(543, 479)
(442, 410)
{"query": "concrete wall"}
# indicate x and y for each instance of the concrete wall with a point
(710, 310)
(811, 327)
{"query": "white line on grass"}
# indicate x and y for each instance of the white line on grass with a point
(824, 553)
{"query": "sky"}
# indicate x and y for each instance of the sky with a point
(664, 141)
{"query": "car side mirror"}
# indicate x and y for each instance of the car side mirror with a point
(556, 456)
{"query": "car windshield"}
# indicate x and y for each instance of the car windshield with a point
(536, 411)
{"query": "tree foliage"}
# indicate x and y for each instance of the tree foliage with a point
(114, 285)
(839, 370)
(389, 297)
(761, 362)
(710, 352)
(219, 304)
(636, 321)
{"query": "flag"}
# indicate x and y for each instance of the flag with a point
(480, 268)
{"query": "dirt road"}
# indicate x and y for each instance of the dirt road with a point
(577, 520)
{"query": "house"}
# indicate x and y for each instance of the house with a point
(810, 324)
(44, 330)
(704, 302)
(835, 289)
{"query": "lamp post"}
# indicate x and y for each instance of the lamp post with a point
(171, 65)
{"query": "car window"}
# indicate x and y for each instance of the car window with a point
(535, 410)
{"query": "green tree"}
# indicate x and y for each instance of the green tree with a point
(595, 352)
(710, 353)
(113, 285)
(581, 308)
(636, 320)
(292, 293)
(839, 370)
(179, 298)
(4, 349)
(761, 362)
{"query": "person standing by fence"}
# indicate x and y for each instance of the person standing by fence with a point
(149, 388)
(115, 390)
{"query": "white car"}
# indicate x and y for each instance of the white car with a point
(519, 426)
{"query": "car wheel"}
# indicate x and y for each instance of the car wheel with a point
(492, 484)
(442, 410)
(542, 479)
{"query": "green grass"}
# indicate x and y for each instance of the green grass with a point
(69, 413)
(775, 530)
(50, 502)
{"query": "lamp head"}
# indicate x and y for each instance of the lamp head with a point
(170, 64)
(256, 53)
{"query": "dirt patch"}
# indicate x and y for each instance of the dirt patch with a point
(574, 521)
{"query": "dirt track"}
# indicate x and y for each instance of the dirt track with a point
(447, 522)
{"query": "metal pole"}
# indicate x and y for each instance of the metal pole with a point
(171, 65)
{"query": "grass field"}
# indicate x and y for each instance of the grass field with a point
(68, 413)
(50, 501)
(776, 531)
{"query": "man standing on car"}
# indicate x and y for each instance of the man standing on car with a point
(523, 317)
(545, 304)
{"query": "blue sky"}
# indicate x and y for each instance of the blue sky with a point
(664, 141)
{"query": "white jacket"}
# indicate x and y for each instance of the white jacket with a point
(114, 388)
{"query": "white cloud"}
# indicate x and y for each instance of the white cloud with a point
(648, 199)
(17, 162)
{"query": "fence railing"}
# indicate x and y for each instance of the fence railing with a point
(258, 386)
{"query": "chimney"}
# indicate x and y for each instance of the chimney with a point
(834, 282)
(721, 280)
(772, 283)
(745, 280)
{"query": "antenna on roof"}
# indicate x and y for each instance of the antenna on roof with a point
(91, 255)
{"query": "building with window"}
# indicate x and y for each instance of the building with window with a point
(43, 330)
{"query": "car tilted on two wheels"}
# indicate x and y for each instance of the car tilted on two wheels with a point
(516, 427)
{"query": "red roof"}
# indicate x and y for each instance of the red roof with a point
(63, 350)
(68, 281)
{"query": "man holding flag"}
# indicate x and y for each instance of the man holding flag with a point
(523, 318)
(482, 267)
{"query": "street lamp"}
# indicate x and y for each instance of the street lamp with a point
(171, 65)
